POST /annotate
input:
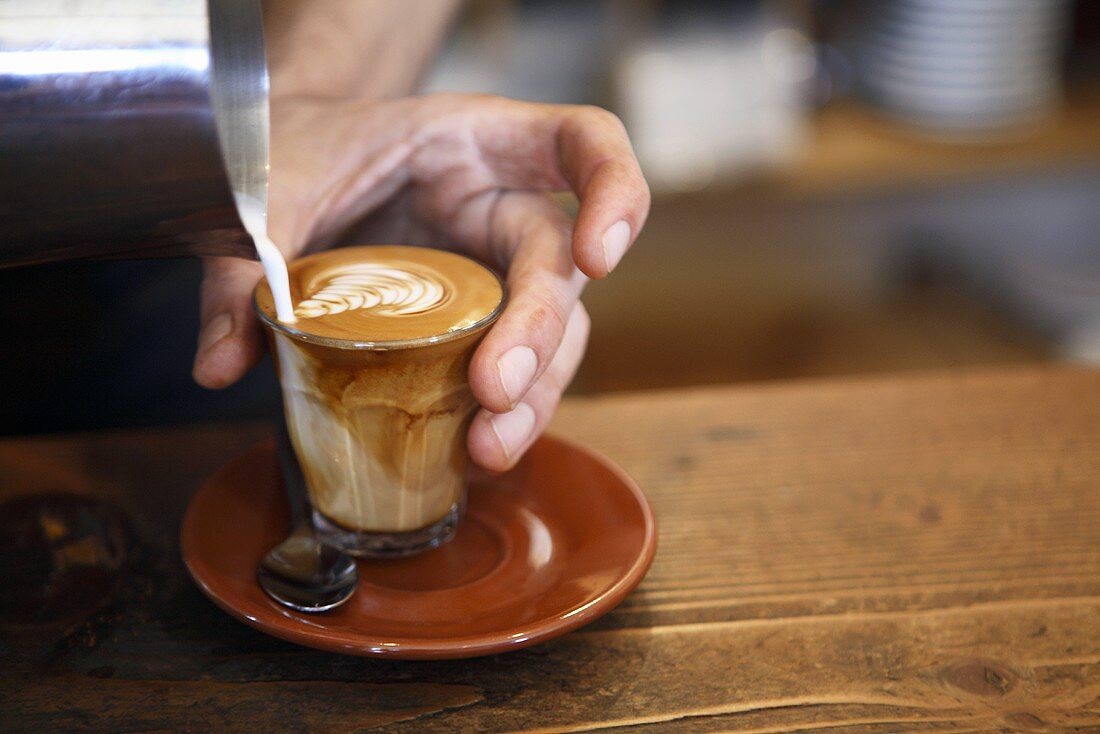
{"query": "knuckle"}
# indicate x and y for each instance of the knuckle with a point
(557, 229)
(585, 328)
(547, 317)
(644, 195)
(600, 116)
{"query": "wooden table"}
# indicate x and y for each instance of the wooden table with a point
(871, 555)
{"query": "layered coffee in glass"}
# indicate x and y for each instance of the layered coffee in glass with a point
(375, 389)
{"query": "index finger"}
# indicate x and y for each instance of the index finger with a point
(583, 148)
(596, 158)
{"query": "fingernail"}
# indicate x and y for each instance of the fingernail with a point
(218, 328)
(516, 368)
(615, 241)
(513, 428)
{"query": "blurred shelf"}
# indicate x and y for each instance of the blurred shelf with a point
(855, 150)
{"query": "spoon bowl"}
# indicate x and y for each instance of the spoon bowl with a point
(302, 572)
(310, 597)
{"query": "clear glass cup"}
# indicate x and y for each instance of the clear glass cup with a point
(380, 431)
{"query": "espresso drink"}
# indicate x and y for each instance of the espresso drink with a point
(374, 378)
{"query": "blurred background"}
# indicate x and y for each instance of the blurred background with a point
(840, 187)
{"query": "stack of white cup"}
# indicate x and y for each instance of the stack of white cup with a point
(966, 67)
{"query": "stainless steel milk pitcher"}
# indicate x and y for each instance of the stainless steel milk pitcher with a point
(126, 125)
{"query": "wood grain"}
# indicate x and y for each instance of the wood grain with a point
(899, 554)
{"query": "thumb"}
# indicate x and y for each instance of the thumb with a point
(230, 342)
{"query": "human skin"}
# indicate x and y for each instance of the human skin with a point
(471, 173)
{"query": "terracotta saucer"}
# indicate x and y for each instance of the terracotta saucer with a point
(544, 549)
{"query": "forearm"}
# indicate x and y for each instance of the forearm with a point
(374, 49)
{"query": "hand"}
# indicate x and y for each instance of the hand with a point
(462, 172)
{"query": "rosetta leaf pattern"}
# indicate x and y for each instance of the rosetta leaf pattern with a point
(393, 289)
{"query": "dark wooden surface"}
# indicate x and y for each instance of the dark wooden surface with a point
(897, 554)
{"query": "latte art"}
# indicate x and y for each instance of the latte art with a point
(384, 293)
(393, 289)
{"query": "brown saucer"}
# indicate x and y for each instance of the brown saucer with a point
(544, 549)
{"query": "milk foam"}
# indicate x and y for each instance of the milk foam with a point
(394, 288)
(254, 218)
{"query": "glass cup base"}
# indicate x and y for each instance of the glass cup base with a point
(367, 544)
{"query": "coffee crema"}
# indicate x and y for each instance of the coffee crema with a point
(384, 293)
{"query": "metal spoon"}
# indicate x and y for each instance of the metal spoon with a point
(302, 572)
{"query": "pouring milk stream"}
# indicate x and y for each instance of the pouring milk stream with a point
(254, 217)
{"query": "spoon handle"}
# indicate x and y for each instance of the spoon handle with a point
(293, 480)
